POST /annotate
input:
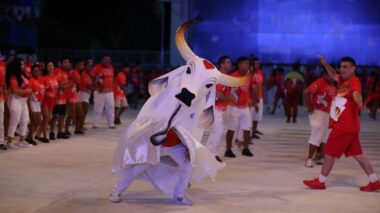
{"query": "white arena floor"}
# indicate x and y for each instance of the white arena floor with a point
(69, 176)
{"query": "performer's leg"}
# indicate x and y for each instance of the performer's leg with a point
(128, 176)
(295, 108)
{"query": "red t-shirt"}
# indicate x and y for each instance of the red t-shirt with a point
(85, 82)
(14, 84)
(63, 79)
(219, 104)
(323, 94)
(74, 80)
(2, 79)
(348, 113)
(171, 139)
(242, 93)
(104, 76)
(51, 85)
(121, 80)
(257, 83)
(38, 90)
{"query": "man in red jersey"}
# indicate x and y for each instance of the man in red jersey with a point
(257, 87)
(318, 97)
(103, 74)
(345, 124)
(121, 103)
(238, 113)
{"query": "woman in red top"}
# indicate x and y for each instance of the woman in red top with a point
(50, 82)
(19, 88)
(121, 103)
(37, 96)
(85, 89)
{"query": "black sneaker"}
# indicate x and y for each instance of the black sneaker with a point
(255, 136)
(31, 141)
(52, 136)
(247, 152)
(229, 154)
(288, 120)
(43, 140)
(62, 135)
(294, 120)
(79, 132)
(218, 159)
(68, 133)
(259, 133)
(117, 121)
(3, 147)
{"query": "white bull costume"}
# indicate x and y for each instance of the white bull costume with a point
(183, 100)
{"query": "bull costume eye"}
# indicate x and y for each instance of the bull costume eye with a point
(208, 85)
(188, 71)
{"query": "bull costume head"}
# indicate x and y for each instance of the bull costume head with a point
(186, 90)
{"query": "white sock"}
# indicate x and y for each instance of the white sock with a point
(372, 178)
(322, 178)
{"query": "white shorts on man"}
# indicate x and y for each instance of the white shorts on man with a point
(319, 121)
(216, 135)
(258, 116)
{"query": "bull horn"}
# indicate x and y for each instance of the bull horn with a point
(180, 41)
(234, 81)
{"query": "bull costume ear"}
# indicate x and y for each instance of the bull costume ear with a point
(159, 84)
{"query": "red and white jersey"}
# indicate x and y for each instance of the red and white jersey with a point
(38, 90)
(120, 82)
(24, 85)
(219, 104)
(257, 83)
(74, 81)
(344, 111)
(322, 94)
(85, 82)
(104, 76)
(63, 80)
(51, 85)
(241, 93)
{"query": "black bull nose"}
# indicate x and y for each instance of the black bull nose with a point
(185, 96)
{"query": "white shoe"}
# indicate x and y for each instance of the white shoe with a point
(309, 163)
(12, 146)
(23, 144)
(182, 200)
(115, 198)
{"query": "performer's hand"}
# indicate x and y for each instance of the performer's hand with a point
(322, 59)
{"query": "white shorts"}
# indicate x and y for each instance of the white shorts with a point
(121, 103)
(238, 117)
(84, 96)
(35, 106)
(258, 116)
(319, 122)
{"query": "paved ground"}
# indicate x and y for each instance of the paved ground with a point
(74, 176)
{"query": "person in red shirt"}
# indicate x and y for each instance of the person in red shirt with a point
(136, 81)
(121, 103)
(85, 89)
(3, 90)
(74, 106)
(293, 89)
(257, 88)
(103, 74)
(318, 97)
(29, 64)
(60, 108)
(223, 97)
(280, 90)
(238, 113)
(37, 96)
(345, 125)
(19, 88)
(372, 101)
(50, 82)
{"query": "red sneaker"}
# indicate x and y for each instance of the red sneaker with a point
(314, 184)
(371, 187)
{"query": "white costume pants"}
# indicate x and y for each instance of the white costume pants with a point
(104, 101)
(2, 122)
(216, 134)
(319, 122)
(19, 115)
(177, 153)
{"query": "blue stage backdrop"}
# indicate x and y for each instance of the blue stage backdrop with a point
(285, 31)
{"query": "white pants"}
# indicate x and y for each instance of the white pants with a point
(177, 153)
(19, 115)
(216, 134)
(2, 122)
(101, 101)
(35, 106)
(258, 116)
(319, 122)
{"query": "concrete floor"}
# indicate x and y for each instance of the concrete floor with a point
(74, 176)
